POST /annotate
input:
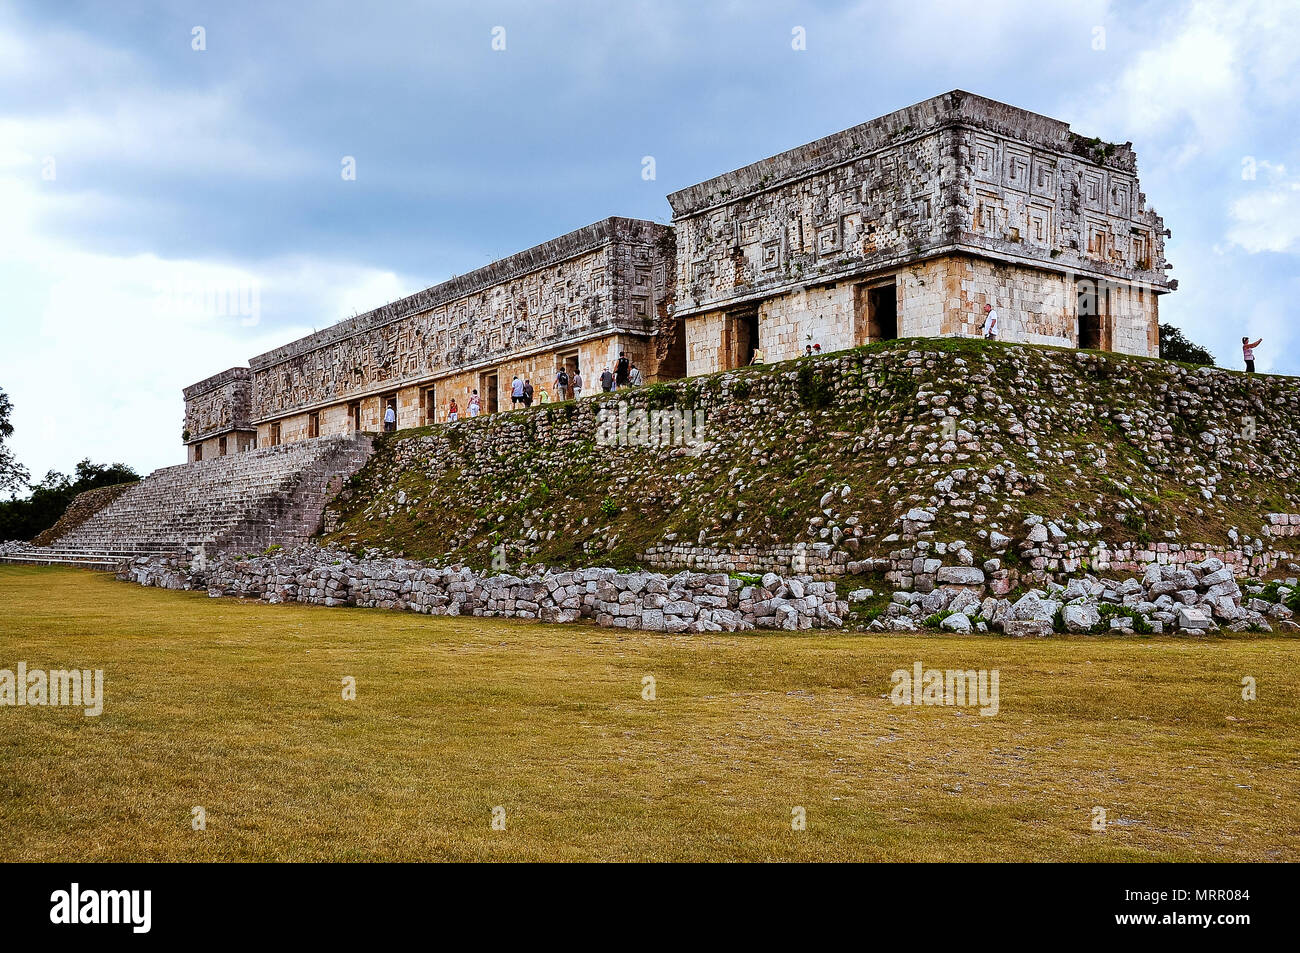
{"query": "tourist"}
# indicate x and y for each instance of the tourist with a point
(517, 392)
(606, 380)
(758, 356)
(543, 397)
(990, 327)
(561, 384)
(807, 350)
(1248, 353)
(390, 419)
(453, 412)
(528, 393)
(474, 405)
(621, 370)
(577, 383)
(634, 376)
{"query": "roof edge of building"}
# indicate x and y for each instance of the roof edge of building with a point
(579, 241)
(954, 108)
(236, 373)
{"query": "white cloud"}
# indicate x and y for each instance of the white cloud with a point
(1201, 80)
(94, 361)
(1267, 220)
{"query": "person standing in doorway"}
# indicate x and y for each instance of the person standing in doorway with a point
(577, 383)
(561, 384)
(990, 326)
(621, 370)
(390, 419)
(1248, 353)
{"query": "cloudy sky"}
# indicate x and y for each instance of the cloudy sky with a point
(167, 212)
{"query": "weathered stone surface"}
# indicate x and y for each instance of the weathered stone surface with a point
(959, 576)
(1027, 628)
(684, 602)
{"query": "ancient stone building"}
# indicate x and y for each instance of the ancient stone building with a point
(907, 225)
(576, 301)
(904, 226)
(217, 415)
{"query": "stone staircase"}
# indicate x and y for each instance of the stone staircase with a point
(240, 503)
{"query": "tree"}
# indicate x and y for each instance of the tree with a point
(1175, 346)
(13, 475)
(23, 519)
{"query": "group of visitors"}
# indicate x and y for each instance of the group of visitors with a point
(521, 392)
(567, 387)
(472, 407)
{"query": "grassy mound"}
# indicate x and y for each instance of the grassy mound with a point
(980, 434)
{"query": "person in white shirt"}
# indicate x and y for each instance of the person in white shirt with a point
(517, 392)
(390, 418)
(1248, 353)
(474, 405)
(990, 328)
(634, 376)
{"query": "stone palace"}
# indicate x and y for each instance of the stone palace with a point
(904, 226)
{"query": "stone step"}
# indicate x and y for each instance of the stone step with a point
(250, 499)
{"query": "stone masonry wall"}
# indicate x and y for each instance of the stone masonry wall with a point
(612, 277)
(684, 602)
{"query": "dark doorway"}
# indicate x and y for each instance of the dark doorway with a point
(742, 337)
(1092, 307)
(882, 312)
(430, 405)
(489, 384)
(354, 413)
(389, 403)
(275, 434)
(313, 424)
(221, 446)
(571, 367)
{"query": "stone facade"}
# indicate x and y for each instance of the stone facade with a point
(580, 299)
(218, 412)
(907, 225)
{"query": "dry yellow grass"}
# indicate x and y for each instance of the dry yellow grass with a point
(238, 707)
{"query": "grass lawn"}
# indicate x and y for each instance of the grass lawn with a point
(237, 707)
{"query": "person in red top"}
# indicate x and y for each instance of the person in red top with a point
(1248, 353)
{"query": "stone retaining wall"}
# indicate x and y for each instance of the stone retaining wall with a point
(684, 602)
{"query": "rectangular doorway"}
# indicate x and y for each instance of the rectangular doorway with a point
(275, 434)
(488, 385)
(389, 403)
(571, 367)
(1092, 309)
(742, 337)
(430, 404)
(313, 424)
(875, 312)
(354, 415)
